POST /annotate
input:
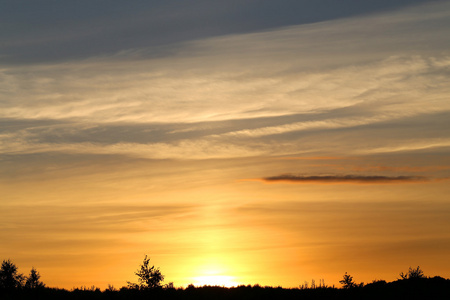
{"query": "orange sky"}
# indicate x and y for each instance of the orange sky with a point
(272, 157)
(202, 223)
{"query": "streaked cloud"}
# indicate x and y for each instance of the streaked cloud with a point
(401, 169)
(74, 220)
(413, 146)
(265, 93)
(369, 179)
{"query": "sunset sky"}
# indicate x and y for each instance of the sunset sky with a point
(233, 142)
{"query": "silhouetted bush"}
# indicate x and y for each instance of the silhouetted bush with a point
(347, 281)
(149, 277)
(412, 273)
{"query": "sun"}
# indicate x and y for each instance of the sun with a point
(215, 280)
(214, 276)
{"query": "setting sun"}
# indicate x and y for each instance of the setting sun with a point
(215, 280)
(214, 273)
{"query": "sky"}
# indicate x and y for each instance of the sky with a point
(233, 142)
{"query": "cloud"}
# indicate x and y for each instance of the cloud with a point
(206, 140)
(306, 68)
(87, 28)
(89, 218)
(321, 89)
(412, 146)
(314, 158)
(402, 169)
(369, 179)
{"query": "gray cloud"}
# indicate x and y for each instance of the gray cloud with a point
(339, 130)
(318, 88)
(91, 28)
(344, 178)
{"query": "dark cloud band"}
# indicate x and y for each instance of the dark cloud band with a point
(344, 178)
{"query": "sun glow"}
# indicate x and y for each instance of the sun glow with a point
(214, 275)
(215, 280)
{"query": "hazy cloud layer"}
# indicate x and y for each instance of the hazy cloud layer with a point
(278, 92)
(94, 218)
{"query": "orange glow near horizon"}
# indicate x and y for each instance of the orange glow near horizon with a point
(215, 280)
(234, 234)
(214, 275)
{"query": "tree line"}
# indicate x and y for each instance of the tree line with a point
(11, 279)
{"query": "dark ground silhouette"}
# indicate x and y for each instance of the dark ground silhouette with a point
(420, 288)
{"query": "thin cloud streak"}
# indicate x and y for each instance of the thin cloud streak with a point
(368, 179)
(402, 169)
(412, 146)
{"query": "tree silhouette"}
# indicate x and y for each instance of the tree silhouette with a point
(412, 273)
(10, 278)
(33, 281)
(347, 281)
(149, 277)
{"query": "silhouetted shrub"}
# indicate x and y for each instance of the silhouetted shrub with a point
(347, 281)
(412, 273)
(149, 277)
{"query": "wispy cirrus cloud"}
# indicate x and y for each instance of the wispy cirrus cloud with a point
(266, 93)
(402, 168)
(278, 72)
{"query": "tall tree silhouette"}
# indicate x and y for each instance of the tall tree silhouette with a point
(33, 281)
(149, 277)
(10, 278)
